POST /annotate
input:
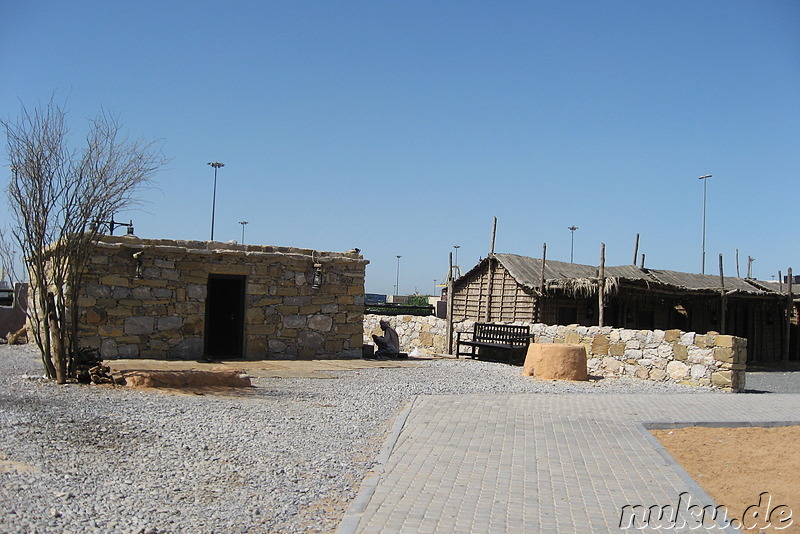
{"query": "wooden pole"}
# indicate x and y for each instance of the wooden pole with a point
(636, 250)
(544, 257)
(642, 265)
(487, 314)
(450, 298)
(542, 288)
(494, 233)
(724, 297)
(737, 264)
(601, 285)
(749, 266)
(780, 281)
(789, 305)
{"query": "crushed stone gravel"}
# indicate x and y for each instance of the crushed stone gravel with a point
(287, 455)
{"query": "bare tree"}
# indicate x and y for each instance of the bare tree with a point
(55, 195)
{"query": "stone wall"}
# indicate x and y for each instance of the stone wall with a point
(708, 359)
(154, 306)
(428, 334)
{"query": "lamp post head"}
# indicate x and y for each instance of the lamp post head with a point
(704, 177)
(572, 228)
(215, 164)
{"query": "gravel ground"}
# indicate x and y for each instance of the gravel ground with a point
(285, 456)
(772, 382)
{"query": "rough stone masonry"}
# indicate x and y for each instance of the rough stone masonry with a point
(297, 303)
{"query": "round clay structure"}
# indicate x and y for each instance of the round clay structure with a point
(556, 361)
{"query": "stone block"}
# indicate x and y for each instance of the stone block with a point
(193, 325)
(108, 348)
(141, 293)
(600, 345)
(128, 351)
(261, 329)
(196, 291)
(698, 371)
(285, 291)
(299, 300)
(612, 365)
(633, 355)
(188, 349)
(572, 338)
(295, 321)
(95, 316)
(169, 323)
(114, 280)
(680, 352)
(163, 293)
(725, 341)
(160, 345)
(97, 290)
(85, 302)
(657, 375)
(723, 354)
(170, 274)
(155, 310)
(721, 379)
(677, 370)
(110, 330)
(672, 336)
(139, 325)
(152, 283)
(276, 345)
(354, 341)
(254, 316)
(642, 372)
(617, 349)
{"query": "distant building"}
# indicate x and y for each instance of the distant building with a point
(13, 304)
(374, 298)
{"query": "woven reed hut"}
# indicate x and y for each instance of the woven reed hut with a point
(512, 288)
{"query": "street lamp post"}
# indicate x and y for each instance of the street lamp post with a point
(243, 223)
(216, 166)
(572, 241)
(705, 180)
(397, 280)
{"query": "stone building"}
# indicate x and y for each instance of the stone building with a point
(148, 298)
(13, 306)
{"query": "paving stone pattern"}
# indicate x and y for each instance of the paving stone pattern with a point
(540, 463)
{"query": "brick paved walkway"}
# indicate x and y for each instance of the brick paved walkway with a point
(537, 463)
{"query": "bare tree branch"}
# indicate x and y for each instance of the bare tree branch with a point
(54, 195)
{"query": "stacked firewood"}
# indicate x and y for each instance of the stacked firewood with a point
(89, 368)
(20, 337)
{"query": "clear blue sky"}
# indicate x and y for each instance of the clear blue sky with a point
(403, 128)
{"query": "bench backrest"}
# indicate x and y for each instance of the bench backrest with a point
(502, 333)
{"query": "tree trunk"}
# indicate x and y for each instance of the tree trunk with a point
(56, 344)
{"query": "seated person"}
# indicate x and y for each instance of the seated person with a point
(389, 343)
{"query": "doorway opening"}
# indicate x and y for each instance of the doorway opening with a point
(224, 332)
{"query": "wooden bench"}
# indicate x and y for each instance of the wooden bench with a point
(494, 338)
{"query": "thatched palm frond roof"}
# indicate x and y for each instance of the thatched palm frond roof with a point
(581, 280)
